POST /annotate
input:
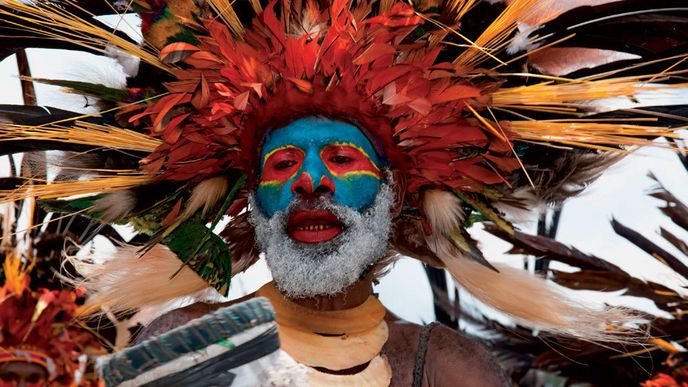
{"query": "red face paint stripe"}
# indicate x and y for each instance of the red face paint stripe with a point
(344, 160)
(281, 165)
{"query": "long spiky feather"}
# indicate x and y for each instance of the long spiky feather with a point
(97, 184)
(226, 12)
(85, 133)
(575, 91)
(458, 8)
(591, 134)
(499, 30)
(54, 22)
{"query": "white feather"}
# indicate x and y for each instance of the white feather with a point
(115, 206)
(127, 280)
(540, 304)
(444, 213)
(443, 210)
(656, 95)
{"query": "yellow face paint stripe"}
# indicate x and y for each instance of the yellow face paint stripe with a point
(353, 173)
(267, 156)
(361, 173)
(271, 183)
(358, 148)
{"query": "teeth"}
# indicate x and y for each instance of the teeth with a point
(317, 227)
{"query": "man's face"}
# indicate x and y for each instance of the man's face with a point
(19, 373)
(315, 157)
(321, 209)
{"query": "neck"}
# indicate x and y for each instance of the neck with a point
(351, 297)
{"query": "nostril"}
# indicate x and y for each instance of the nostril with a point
(323, 190)
(303, 185)
(299, 191)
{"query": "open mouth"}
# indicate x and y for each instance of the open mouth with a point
(313, 226)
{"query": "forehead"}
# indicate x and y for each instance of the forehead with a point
(316, 132)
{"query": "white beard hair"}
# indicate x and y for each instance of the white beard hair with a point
(302, 270)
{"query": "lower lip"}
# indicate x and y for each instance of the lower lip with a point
(315, 236)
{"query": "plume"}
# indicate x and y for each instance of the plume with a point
(513, 291)
(443, 210)
(115, 206)
(127, 280)
(539, 303)
(444, 213)
(205, 195)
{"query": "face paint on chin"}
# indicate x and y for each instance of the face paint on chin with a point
(316, 156)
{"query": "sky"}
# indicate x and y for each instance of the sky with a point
(620, 193)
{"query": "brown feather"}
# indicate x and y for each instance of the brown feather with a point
(240, 237)
(115, 206)
(536, 302)
(566, 175)
(207, 194)
(408, 239)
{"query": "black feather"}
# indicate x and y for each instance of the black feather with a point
(17, 34)
(33, 115)
(639, 27)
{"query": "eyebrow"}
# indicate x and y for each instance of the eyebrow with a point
(279, 148)
(352, 145)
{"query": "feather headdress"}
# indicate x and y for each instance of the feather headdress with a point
(40, 327)
(469, 102)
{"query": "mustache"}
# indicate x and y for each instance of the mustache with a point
(321, 203)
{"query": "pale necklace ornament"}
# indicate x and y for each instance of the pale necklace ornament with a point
(334, 340)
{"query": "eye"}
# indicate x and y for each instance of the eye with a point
(9, 377)
(341, 159)
(284, 164)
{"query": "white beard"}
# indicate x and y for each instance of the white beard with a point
(303, 270)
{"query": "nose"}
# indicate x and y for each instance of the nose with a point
(304, 186)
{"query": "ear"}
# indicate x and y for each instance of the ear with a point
(398, 181)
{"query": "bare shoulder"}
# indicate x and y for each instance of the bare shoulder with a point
(453, 359)
(174, 319)
(181, 316)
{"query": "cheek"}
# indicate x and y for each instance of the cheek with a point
(273, 197)
(357, 192)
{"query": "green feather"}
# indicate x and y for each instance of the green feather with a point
(484, 208)
(99, 91)
(80, 206)
(186, 35)
(203, 252)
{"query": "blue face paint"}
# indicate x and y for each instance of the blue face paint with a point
(316, 152)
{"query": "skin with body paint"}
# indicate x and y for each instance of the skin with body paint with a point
(311, 158)
(18, 373)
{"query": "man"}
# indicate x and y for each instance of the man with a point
(41, 341)
(357, 130)
(322, 215)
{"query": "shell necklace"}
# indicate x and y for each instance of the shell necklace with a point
(334, 340)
